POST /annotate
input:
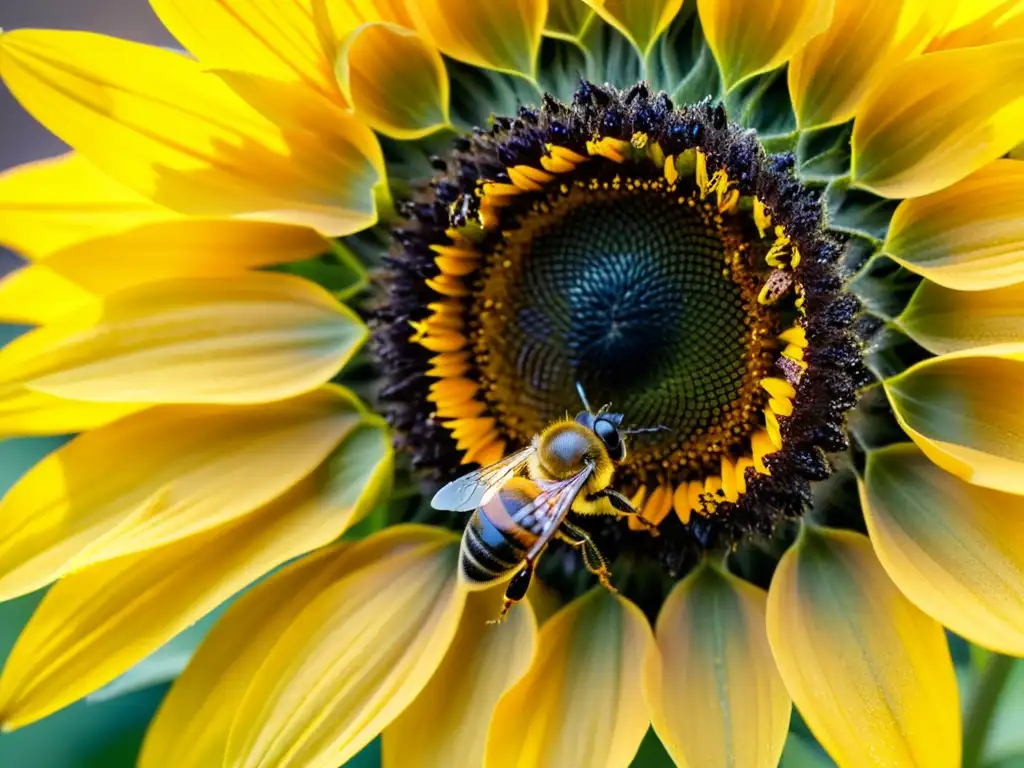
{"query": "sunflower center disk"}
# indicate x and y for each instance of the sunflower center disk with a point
(636, 294)
(661, 259)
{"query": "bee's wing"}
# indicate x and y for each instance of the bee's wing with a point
(550, 507)
(471, 491)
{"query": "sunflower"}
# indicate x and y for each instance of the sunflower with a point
(784, 239)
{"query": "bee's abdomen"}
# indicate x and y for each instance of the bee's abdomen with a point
(493, 545)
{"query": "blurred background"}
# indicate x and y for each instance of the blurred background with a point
(22, 138)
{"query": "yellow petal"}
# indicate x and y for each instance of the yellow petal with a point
(25, 412)
(965, 413)
(395, 80)
(391, 10)
(186, 248)
(336, 20)
(641, 21)
(51, 204)
(353, 658)
(36, 294)
(191, 728)
(937, 118)
(716, 698)
(748, 37)
(499, 34)
(955, 549)
(158, 476)
(78, 274)
(446, 726)
(96, 623)
(581, 702)
(276, 38)
(250, 338)
(945, 320)
(968, 236)
(965, 14)
(981, 22)
(830, 76)
(870, 673)
(206, 151)
(568, 19)
(544, 600)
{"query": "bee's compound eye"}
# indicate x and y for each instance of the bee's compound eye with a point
(609, 435)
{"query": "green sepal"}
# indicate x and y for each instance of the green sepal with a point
(762, 103)
(857, 211)
(871, 422)
(892, 352)
(884, 287)
(823, 155)
(479, 94)
(561, 65)
(686, 67)
(338, 270)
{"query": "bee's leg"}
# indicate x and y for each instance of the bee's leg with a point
(623, 507)
(516, 590)
(618, 502)
(593, 560)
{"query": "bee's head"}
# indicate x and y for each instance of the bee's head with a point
(606, 427)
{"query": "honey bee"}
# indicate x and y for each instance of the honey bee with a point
(570, 465)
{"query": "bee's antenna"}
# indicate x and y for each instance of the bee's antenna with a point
(641, 430)
(583, 396)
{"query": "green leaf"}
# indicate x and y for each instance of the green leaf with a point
(651, 753)
(1011, 761)
(85, 735)
(370, 757)
(1006, 730)
(801, 752)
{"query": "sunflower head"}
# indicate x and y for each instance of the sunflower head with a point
(659, 259)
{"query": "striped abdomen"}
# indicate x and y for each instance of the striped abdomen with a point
(493, 545)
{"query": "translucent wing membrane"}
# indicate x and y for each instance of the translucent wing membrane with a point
(546, 512)
(470, 491)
